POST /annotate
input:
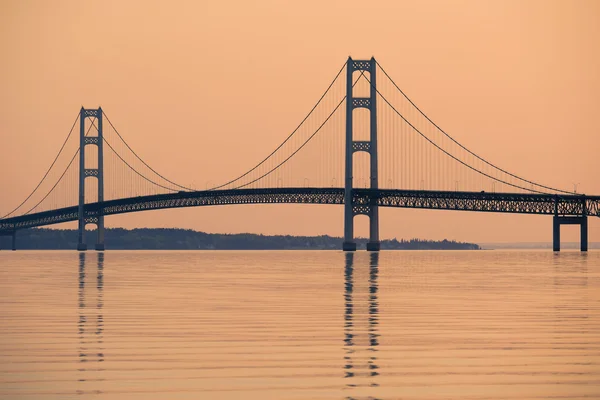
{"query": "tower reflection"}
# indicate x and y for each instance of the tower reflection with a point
(91, 345)
(361, 320)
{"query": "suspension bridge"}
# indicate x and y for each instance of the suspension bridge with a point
(364, 144)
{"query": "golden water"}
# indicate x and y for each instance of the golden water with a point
(299, 325)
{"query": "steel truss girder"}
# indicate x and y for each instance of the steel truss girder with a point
(568, 205)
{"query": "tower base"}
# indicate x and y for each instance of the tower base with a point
(349, 246)
(81, 247)
(373, 246)
(100, 247)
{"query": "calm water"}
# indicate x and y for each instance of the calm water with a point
(299, 325)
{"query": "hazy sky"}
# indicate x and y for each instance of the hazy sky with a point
(203, 89)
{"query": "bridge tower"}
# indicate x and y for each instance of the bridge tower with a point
(353, 205)
(87, 217)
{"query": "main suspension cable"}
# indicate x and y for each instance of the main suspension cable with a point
(139, 158)
(47, 171)
(55, 185)
(64, 172)
(289, 137)
(442, 150)
(130, 167)
(135, 170)
(303, 144)
(463, 147)
(241, 176)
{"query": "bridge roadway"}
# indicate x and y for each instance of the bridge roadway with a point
(561, 205)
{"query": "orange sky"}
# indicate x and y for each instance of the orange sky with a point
(203, 90)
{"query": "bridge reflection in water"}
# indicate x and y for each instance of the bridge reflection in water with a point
(91, 339)
(361, 321)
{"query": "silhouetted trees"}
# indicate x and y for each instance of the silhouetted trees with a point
(182, 239)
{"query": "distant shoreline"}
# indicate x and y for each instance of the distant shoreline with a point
(184, 239)
(535, 246)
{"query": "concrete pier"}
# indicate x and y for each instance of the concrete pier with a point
(558, 221)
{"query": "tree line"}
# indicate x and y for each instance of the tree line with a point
(185, 239)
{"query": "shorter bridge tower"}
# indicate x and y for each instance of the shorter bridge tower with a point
(85, 216)
(353, 204)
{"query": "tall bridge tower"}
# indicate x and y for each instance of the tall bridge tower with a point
(352, 204)
(85, 216)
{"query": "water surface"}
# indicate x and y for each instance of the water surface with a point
(299, 325)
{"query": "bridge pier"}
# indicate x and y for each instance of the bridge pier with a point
(583, 225)
(555, 233)
(100, 240)
(583, 234)
(14, 241)
(349, 246)
(373, 244)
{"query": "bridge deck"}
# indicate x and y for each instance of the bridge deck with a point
(564, 205)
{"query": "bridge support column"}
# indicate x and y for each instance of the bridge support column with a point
(86, 217)
(581, 221)
(14, 241)
(555, 233)
(583, 238)
(100, 242)
(373, 244)
(352, 204)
